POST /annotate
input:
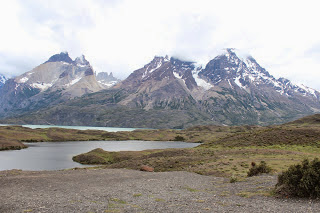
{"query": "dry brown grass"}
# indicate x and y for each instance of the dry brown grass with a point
(10, 144)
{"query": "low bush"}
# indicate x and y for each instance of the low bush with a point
(179, 138)
(301, 180)
(258, 169)
(233, 179)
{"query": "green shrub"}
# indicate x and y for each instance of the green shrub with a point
(233, 179)
(301, 180)
(179, 138)
(258, 169)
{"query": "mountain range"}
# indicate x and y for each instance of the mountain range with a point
(165, 93)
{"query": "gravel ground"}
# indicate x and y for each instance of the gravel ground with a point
(121, 190)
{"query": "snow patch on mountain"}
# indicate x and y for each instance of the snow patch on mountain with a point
(177, 75)
(237, 81)
(200, 82)
(42, 86)
(108, 84)
(23, 80)
(307, 90)
(74, 81)
(157, 62)
(107, 80)
(157, 67)
(230, 84)
(2, 80)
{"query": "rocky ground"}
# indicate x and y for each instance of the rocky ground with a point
(122, 190)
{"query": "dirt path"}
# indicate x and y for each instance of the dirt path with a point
(121, 190)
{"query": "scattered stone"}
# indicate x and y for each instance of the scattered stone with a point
(146, 168)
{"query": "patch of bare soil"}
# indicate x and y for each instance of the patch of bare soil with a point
(121, 190)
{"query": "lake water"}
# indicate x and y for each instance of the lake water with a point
(58, 155)
(109, 129)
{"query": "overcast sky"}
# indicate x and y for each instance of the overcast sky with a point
(120, 36)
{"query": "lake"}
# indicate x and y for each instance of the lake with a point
(58, 155)
(109, 129)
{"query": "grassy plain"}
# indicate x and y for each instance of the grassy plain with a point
(225, 151)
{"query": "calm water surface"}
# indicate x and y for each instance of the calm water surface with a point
(109, 129)
(58, 155)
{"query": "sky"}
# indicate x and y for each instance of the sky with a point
(121, 36)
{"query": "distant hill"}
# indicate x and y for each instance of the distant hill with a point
(312, 120)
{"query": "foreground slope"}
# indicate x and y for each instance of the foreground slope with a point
(122, 190)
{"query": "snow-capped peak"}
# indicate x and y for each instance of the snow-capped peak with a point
(239, 69)
(155, 64)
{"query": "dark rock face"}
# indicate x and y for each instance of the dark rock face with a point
(89, 71)
(12, 96)
(62, 57)
(221, 68)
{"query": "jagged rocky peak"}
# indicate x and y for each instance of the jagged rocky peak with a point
(57, 75)
(105, 76)
(176, 66)
(184, 70)
(107, 80)
(64, 57)
(238, 68)
(81, 61)
(181, 64)
(222, 67)
(61, 57)
(174, 62)
(156, 63)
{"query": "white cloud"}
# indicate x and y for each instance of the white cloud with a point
(121, 36)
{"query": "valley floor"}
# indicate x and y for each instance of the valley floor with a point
(122, 190)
